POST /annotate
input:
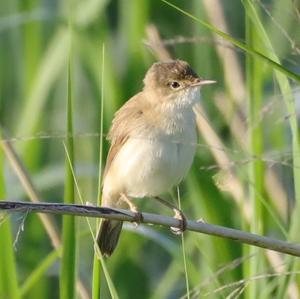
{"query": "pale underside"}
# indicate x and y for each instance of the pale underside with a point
(152, 148)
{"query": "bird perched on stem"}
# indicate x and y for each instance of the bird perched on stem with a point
(153, 141)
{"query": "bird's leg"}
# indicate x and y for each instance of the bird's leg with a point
(178, 215)
(138, 216)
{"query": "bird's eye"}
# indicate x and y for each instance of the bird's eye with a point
(174, 85)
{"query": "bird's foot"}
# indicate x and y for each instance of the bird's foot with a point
(138, 216)
(179, 215)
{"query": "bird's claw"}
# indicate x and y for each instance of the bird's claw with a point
(182, 223)
(138, 218)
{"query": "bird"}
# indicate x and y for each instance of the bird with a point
(153, 142)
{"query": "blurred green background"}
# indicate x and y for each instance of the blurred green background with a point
(245, 174)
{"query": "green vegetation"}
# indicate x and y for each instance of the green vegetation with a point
(57, 100)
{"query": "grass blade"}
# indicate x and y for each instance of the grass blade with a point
(97, 263)
(33, 278)
(255, 169)
(239, 44)
(68, 263)
(291, 109)
(8, 273)
(184, 252)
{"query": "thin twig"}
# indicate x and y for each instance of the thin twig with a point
(125, 215)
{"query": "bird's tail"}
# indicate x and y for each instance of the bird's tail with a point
(108, 236)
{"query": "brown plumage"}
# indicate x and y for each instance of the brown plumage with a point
(153, 138)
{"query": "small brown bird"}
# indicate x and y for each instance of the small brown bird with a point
(153, 141)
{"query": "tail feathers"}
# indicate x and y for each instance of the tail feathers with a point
(108, 236)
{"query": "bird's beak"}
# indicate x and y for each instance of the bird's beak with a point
(200, 82)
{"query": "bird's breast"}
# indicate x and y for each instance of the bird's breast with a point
(151, 164)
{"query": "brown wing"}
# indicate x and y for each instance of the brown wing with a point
(126, 121)
(114, 149)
